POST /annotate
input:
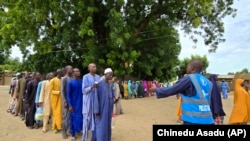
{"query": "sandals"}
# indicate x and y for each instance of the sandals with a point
(179, 122)
(36, 126)
(73, 138)
(44, 131)
(9, 110)
(64, 136)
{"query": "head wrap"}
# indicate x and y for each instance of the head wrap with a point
(18, 74)
(107, 70)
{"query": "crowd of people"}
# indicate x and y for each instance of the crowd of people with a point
(74, 105)
(85, 105)
(137, 89)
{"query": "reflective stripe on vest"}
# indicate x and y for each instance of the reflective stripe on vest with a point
(198, 88)
(199, 91)
(194, 101)
(195, 114)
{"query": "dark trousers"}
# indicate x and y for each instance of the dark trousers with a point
(30, 116)
(122, 93)
(65, 120)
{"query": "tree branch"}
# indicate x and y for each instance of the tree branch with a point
(155, 10)
(143, 24)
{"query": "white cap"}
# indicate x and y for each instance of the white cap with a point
(18, 74)
(107, 70)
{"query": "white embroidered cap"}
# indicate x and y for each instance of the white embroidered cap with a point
(107, 70)
(18, 74)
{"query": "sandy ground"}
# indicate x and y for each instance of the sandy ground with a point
(134, 125)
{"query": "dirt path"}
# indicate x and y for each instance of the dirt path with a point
(134, 125)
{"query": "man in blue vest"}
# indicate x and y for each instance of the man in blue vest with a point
(195, 90)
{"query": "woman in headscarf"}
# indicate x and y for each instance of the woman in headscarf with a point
(125, 86)
(246, 86)
(145, 87)
(216, 103)
(240, 112)
(130, 91)
(149, 84)
(140, 90)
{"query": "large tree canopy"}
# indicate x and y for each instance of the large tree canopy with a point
(132, 37)
(2, 57)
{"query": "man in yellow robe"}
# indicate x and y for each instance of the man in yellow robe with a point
(56, 102)
(44, 99)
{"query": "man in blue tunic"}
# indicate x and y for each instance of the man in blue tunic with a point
(89, 92)
(38, 105)
(103, 110)
(74, 98)
(195, 90)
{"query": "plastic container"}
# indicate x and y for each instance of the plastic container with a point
(113, 121)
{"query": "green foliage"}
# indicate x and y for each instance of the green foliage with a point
(158, 59)
(109, 33)
(11, 64)
(185, 61)
(230, 73)
(2, 57)
(245, 70)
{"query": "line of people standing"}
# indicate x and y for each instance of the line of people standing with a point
(75, 105)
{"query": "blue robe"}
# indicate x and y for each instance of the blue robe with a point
(216, 103)
(130, 92)
(105, 101)
(136, 86)
(88, 102)
(38, 91)
(74, 99)
(39, 110)
(224, 88)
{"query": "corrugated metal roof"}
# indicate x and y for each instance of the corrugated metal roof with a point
(226, 76)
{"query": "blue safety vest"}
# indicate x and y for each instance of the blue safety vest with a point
(196, 109)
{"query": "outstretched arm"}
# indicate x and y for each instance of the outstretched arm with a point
(181, 86)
